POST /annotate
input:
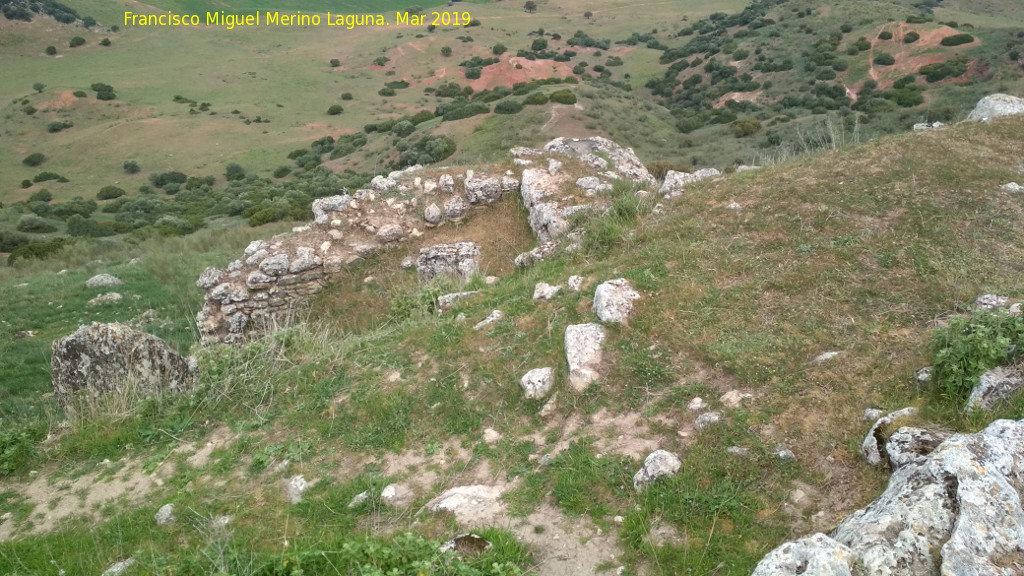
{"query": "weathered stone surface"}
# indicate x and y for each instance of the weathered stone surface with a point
(734, 398)
(482, 190)
(545, 291)
(676, 181)
(446, 302)
(826, 356)
(295, 488)
(446, 183)
(275, 265)
(509, 184)
(467, 502)
(455, 207)
(707, 419)
(993, 387)
(381, 183)
(587, 149)
(815, 555)
(210, 278)
(990, 302)
(613, 301)
(103, 281)
(925, 126)
(305, 259)
(956, 511)
(575, 283)
(491, 318)
(583, 352)
(588, 182)
(118, 568)
(102, 358)
(390, 233)
(458, 260)
(108, 298)
(538, 254)
(397, 495)
(657, 464)
(908, 444)
(537, 382)
(995, 106)
(547, 222)
(165, 515)
(872, 446)
(1012, 187)
(432, 213)
(322, 207)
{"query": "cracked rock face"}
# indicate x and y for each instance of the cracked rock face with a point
(955, 511)
(459, 260)
(102, 358)
(623, 160)
(996, 105)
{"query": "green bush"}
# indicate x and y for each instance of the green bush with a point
(109, 193)
(43, 195)
(403, 128)
(234, 171)
(38, 250)
(130, 167)
(508, 107)
(384, 92)
(83, 227)
(51, 50)
(885, 35)
(421, 117)
(884, 59)
(34, 159)
(539, 44)
(563, 97)
(80, 94)
(47, 176)
(335, 62)
(911, 37)
(335, 109)
(34, 224)
(346, 96)
(105, 42)
(18, 445)
(473, 73)
(282, 171)
(76, 41)
(57, 126)
(957, 40)
(499, 49)
(746, 127)
(969, 346)
(536, 99)
(26, 183)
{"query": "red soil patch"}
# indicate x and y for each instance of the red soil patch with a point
(737, 97)
(62, 100)
(911, 57)
(505, 73)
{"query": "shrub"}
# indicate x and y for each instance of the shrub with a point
(51, 50)
(43, 195)
(335, 109)
(26, 183)
(950, 68)
(386, 92)
(563, 97)
(47, 176)
(403, 128)
(76, 42)
(508, 107)
(536, 98)
(397, 84)
(346, 96)
(539, 44)
(335, 62)
(105, 42)
(911, 37)
(34, 159)
(421, 117)
(885, 35)
(38, 250)
(282, 171)
(83, 227)
(473, 73)
(884, 59)
(109, 193)
(130, 167)
(446, 51)
(9, 242)
(846, 28)
(969, 346)
(80, 94)
(957, 40)
(746, 127)
(34, 224)
(54, 127)
(381, 60)
(499, 49)
(18, 445)
(234, 172)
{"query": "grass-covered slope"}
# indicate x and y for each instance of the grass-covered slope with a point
(857, 251)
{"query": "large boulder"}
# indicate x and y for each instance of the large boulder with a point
(593, 152)
(459, 260)
(484, 190)
(102, 358)
(103, 281)
(956, 510)
(996, 105)
(613, 301)
(583, 353)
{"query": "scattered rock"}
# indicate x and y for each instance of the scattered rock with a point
(738, 451)
(23, 334)
(783, 453)
(825, 357)
(872, 446)
(676, 181)
(455, 208)
(575, 283)
(908, 445)
(102, 358)
(990, 302)
(210, 278)
(446, 183)
(554, 166)
(657, 464)
(397, 495)
(872, 414)
(446, 302)
(482, 190)
(696, 405)
(359, 499)
(733, 206)
(613, 301)
(924, 126)
(537, 382)
(108, 298)
(466, 545)
(538, 254)
(995, 106)
(588, 182)
(493, 317)
(276, 265)
(583, 352)
(815, 555)
(408, 263)
(491, 280)
(707, 419)
(432, 213)
(924, 375)
(118, 568)
(305, 259)
(103, 281)
(734, 398)
(165, 515)
(1012, 187)
(389, 233)
(322, 207)
(382, 184)
(544, 291)
(295, 488)
(491, 436)
(468, 502)
(993, 387)
(590, 150)
(457, 260)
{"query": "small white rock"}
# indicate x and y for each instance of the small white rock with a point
(696, 405)
(544, 291)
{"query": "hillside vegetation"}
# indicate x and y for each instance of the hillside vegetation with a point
(857, 251)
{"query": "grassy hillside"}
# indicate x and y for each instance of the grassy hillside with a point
(856, 251)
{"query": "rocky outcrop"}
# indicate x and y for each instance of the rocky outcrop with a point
(956, 510)
(613, 301)
(104, 358)
(872, 446)
(993, 387)
(593, 151)
(995, 106)
(676, 181)
(457, 260)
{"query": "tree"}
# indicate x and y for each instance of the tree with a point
(446, 51)
(588, 14)
(105, 42)
(76, 42)
(499, 49)
(335, 62)
(539, 44)
(130, 167)
(39, 87)
(34, 159)
(51, 50)
(530, 6)
(335, 109)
